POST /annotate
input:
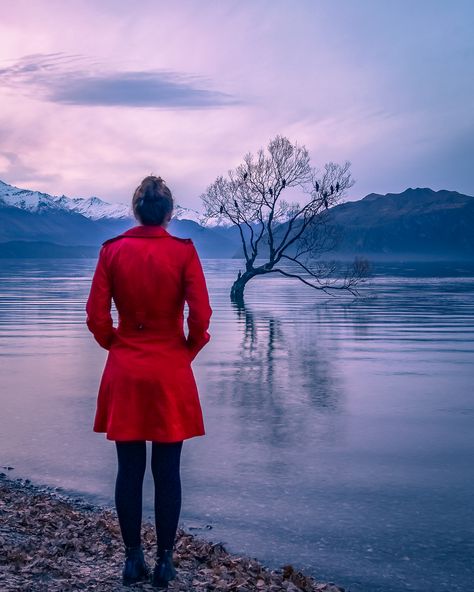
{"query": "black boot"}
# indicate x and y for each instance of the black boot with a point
(135, 568)
(164, 569)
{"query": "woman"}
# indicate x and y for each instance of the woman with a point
(147, 390)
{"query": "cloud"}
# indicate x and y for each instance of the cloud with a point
(401, 114)
(56, 78)
(12, 167)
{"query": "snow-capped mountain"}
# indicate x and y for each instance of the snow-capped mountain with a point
(181, 213)
(54, 224)
(93, 208)
(38, 202)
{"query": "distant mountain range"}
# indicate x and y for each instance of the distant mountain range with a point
(416, 224)
(418, 221)
(34, 224)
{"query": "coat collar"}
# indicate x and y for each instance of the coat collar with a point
(141, 231)
(146, 231)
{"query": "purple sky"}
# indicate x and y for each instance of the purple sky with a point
(96, 95)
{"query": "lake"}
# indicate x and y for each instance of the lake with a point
(339, 429)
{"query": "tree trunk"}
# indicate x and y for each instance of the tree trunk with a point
(238, 287)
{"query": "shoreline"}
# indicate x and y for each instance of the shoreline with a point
(51, 541)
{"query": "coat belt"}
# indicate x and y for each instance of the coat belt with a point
(151, 324)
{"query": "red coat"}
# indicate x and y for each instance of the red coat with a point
(147, 390)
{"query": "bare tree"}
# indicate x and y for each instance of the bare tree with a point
(289, 235)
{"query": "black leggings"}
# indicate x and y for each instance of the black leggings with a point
(165, 459)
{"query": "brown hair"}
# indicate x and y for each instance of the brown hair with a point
(152, 201)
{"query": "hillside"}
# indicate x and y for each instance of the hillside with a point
(417, 222)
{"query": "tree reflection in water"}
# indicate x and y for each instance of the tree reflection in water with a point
(280, 376)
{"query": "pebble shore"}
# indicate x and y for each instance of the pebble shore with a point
(53, 542)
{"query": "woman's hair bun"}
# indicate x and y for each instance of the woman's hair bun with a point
(152, 201)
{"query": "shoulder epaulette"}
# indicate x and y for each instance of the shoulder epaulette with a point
(111, 240)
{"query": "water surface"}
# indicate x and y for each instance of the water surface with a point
(339, 430)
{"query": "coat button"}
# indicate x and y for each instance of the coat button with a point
(140, 326)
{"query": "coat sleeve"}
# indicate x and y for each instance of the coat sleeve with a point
(99, 320)
(197, 297)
